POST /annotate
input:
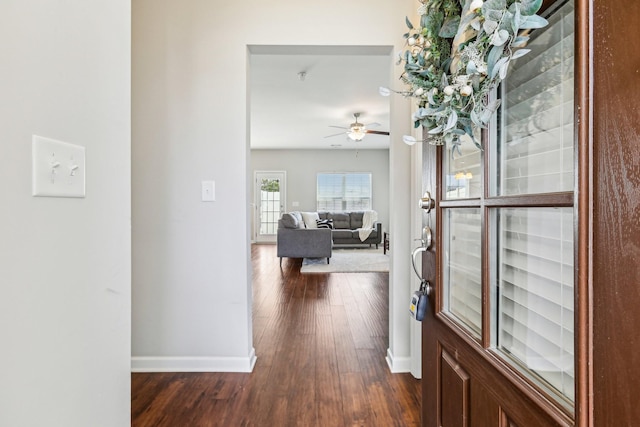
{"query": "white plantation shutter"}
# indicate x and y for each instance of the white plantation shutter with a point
(535, 283)
(463, 267)
(533, 279)
(536, 152)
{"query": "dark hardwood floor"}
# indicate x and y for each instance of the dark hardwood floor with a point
(321, 341)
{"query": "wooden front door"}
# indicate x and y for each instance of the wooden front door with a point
(502, 343)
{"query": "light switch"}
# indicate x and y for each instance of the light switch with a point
(57, 168)
(208, 191)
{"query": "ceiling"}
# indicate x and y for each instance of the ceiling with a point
(293, 112)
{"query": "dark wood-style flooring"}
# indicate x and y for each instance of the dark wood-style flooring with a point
(321, 341)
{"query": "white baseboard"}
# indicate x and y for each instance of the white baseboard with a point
(194, 364)
(398, 365)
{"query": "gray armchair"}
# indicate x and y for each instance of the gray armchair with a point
(303, 242)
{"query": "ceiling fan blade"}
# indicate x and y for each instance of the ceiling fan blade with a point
(339, 127)
(335, 134)
(377, 132)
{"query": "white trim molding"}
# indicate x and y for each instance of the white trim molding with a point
(194, 364)
(398, 365)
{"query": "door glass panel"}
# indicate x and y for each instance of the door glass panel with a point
(270, 205)
(462, 169)
(462, 267)
(534, 153)
(533, 293)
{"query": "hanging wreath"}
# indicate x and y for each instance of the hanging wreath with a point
(461, 52)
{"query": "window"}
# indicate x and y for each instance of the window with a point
(533, 266)
(510, 207)
(344, 192)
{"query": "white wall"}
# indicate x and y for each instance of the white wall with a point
(65, 269)
(191, 276)
(302, 167)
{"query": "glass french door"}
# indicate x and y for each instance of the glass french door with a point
(503, 267)
(270, 203)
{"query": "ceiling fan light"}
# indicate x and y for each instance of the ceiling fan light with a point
(356, 134)
(357, 130)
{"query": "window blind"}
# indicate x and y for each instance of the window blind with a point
(534, 265)
(536, 129)
(536, 320)
(463, 267)
(343, 191)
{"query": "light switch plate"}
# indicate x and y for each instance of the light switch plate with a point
(208, 191)
(58, 168)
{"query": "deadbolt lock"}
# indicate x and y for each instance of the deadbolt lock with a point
(426, 202)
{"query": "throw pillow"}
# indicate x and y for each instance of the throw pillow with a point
(289, 221)
(298, 216)
(325, 223)
(310, 219)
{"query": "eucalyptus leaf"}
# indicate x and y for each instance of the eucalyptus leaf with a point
(455, 147)
(409, 140)
(452, 121)
(449, 28)
(517, 18)
(489, 110)
(409, 24)
(444, 81)
(507, 22)
(503, 70)
(520, 52)
(384, 91)
(494, 55)
(494, 15)
(475, 119)
(497, 66)
(500, 37)
(435, 130)
(475, 24)
(533, 22)
(471, 68)
(520, 41)
(490, 5)
(430, 98)
(424, 21)
(530, 7)
(475, 82)
(448, 138)
(489, 26)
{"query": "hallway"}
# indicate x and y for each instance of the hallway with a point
(321, 341)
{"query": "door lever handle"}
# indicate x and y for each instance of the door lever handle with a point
(417, 251)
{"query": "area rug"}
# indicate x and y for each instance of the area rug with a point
(348, 261)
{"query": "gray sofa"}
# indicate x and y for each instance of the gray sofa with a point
(346, 227)
(296, 240)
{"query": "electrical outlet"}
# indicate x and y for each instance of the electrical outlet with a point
(58, 168)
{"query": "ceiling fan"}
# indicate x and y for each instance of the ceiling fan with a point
(356, 130)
